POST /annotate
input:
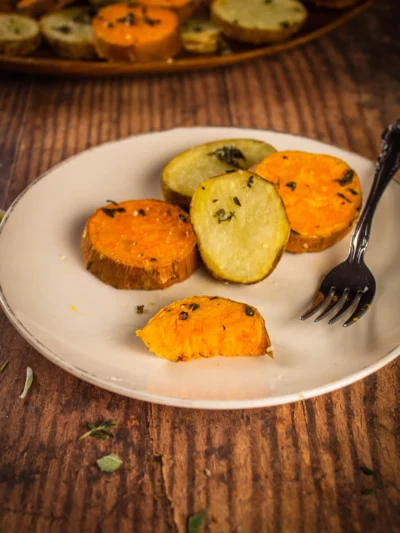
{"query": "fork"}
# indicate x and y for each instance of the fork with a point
(351, 283)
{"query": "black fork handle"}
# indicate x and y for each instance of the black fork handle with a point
(386, 167)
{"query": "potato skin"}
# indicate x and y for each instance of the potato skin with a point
(298, 244)
(122, 276)
(174, 197)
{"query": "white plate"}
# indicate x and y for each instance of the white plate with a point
(88, 328)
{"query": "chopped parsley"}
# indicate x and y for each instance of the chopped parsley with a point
(229, 154)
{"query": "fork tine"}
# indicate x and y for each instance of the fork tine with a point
(319, 301)
(335, 302)
(348, 299)
(362, 307)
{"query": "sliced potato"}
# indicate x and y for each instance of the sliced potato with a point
(241, 226)
(69, 32)
(183, 174)
(259, 21)
(321, 193)
(204, 326)
(200, 36)
(19, 35)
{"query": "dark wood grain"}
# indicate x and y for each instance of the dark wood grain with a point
(289, 469)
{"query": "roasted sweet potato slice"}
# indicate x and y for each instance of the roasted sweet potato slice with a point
(204, 326)
(321, 193)
(241, 226)
(139, 244)
(124, 33)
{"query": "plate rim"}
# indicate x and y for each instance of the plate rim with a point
(121, 389)
(69, 67)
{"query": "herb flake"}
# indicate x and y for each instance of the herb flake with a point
(3, 366)
(229, 154)
(151, 22)
(64, 28)
(109, 463)
(367, 471)
(292, 185)
(100, 431)
(183, 315)
(347, 178)
(112, 202)
(196, 521)
(249, 310)
(250, 181)
(182, 217)
(110, 211)
(222, 216)
(193, 306)
(344, 197)
(28, 382)
(129, 19)
(237, 201)
(140, 309)
(353, 192)
(367, 492)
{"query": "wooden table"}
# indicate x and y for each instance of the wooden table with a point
(290, 469)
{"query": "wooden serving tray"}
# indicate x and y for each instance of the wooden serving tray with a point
(320, 22)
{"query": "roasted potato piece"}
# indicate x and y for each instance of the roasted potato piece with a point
(204, 326)
(321, 193)
(19, 35)
(183, 8)
(258, 21)
(241, 226)
(182, 175)
(139, 244)
(123, 33)
(200, 36)
(69, 32)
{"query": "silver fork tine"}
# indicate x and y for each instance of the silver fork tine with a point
(362, 307)
(319, 301)
(335, 303)
(348, 299)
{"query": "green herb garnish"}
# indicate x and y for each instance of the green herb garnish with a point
(295, 232)
(140, 309)
(367, 492)
(28, 382)
(100, 431)
(151, 22)
(249, 310)
(344, 197)
(3, 366)
(182, 217)
(347, 178)
(292, 185)
(129, 19)
(141, 213)
(229, 154)
(183, 315)
(153, 259)
(112, 202)
(223, 327)
(193, 307)
(109, 463)
(223, 217)
(250, 181)
(89, 265)
(196, 521)
(367, 471)
(215, 201)
(214, 297)
(109, 25)
(285, 24)
(63, 29)
(237, 202)
(353, 192)
(110, 211)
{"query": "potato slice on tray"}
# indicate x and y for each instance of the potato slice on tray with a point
(183, 174)
(139, 244)
(19, 35)
(241, 226)
(204, 326)
(200, 36)
(258, 21)
(69, 32)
